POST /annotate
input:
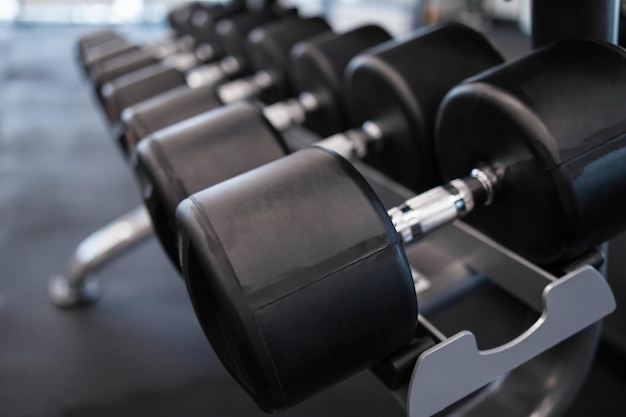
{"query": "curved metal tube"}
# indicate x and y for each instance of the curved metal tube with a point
(78, 286)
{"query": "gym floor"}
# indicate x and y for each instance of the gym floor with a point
(139, 350)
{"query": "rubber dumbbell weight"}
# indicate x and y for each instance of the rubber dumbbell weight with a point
(297, 272)
(93, 39)
(314, 70)
(150, 81)
(410, 78)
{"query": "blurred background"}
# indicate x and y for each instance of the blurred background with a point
(140, 351)
(397, 15)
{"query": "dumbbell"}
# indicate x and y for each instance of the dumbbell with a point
(315, 69)
(92, 52)
(268, 43)
(203, 45)
(405, 80)
(153, 52)
(200, 34)
(297, 273)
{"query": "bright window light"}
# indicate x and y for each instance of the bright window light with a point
(127, 10)
(9, 9)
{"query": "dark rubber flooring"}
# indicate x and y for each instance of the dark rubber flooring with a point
(139, 351)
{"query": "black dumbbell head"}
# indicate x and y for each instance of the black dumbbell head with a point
(179, 17)
(110, 69)
(268, 49)
(297, 283)
(204, 23)
(199, 20)
(178, 161)
(232, 32)
(163, 110)
(318, 65)
(553, 124)
(137, 86)
(90, 40)
(399, 85)
(87, 42)
(108, 50)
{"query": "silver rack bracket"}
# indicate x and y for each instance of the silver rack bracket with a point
(78, 286)
(455, 368)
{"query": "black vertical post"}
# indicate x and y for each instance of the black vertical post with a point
(553, 20)
(254, 5)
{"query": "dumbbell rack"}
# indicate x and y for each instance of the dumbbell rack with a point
(556, 349)
(455, 262)
(455, 367)
(593, 18)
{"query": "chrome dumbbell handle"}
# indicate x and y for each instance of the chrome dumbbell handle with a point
(180, 54)
(354, 143)
(244, 88)
(182, 61)
(210, 74)
(441, 205)
(163, 48)
(293, 112)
